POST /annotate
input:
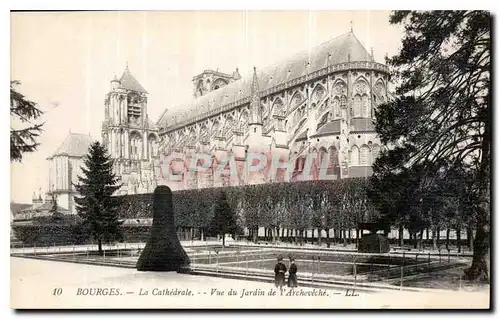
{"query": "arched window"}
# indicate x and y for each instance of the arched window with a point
(135, 145)
(297, 99)
(333, 161)
(321, 156)
(354, 156)
(336, 107)
(277, 108)
(299, 163)
(343, 101)
(357, 105)
(366, 106)
(243, 118)
(302, 162)
(364, 158)
(152, 146)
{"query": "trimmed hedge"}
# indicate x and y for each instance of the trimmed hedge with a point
(297, 206)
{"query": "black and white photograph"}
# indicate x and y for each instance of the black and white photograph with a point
(250, 159)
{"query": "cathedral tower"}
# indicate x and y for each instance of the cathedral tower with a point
(128, 134)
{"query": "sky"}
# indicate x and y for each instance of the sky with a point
(65, 61)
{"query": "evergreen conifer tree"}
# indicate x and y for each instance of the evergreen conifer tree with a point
(95, 203)
(22, 110)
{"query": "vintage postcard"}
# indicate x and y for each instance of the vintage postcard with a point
(250, 159)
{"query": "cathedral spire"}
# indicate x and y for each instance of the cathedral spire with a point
(255, 106)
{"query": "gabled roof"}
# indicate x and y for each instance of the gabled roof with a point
(17, 207)
(332, 127)
(129, 82)
(342, 49)
(76, 145)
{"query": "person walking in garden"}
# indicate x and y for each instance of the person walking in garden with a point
(292, 274)
(279, 273)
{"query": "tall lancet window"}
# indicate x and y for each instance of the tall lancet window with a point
(357, 105)
(336, 107)
(153, 148)
(135, 145)
(364, 157)
(366, 106)
(343, 106)
(354, 156)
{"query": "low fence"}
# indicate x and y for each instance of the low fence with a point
(315, 266)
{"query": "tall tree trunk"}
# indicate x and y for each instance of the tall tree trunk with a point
(480, 267)
(439, 237)
(319, 236)
(99, 247)
(459, 239)
(202, 234)
(327, 238)
(223, 240)
(470, 237)
(421, 240)
(401, 235)
(434, 239)
(448, 238)
(357, 237)
(344, 237)
(255, 233)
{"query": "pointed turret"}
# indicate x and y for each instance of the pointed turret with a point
(236, 75)
(255, 105)
(115, 83)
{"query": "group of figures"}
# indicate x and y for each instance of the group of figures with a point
(280, 271)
